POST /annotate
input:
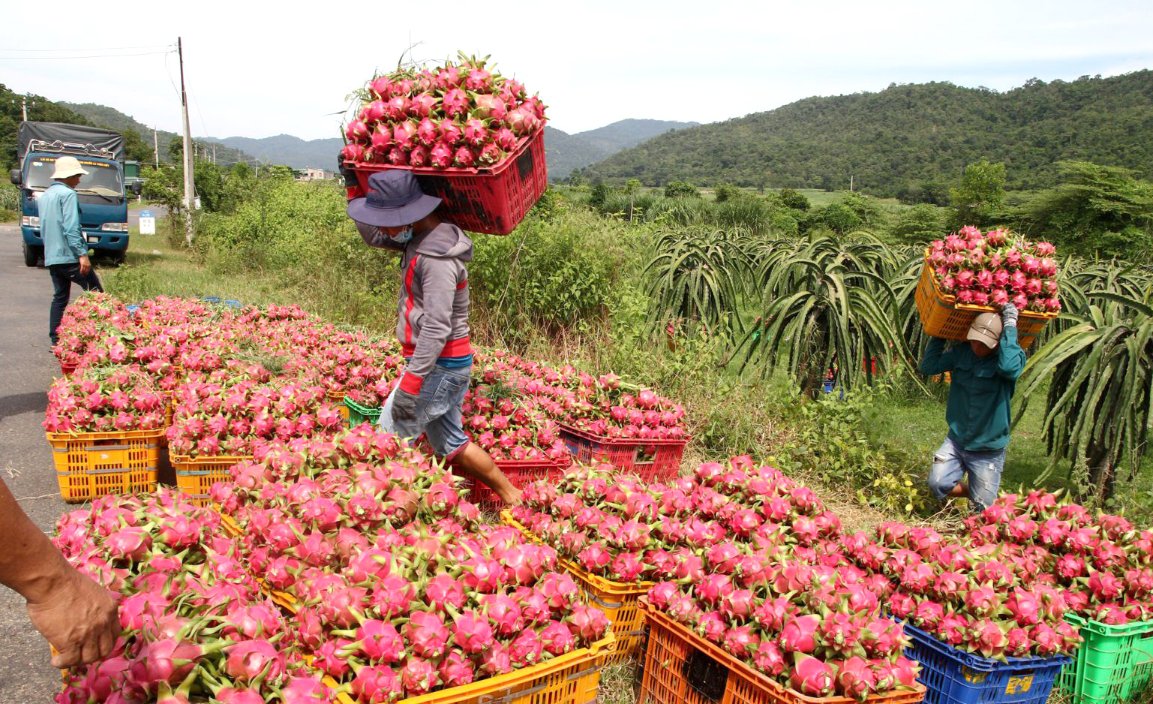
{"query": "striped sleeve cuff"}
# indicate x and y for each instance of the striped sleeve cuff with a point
(411, 383)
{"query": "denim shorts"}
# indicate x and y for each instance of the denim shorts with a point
(438, 416)
(951, 464)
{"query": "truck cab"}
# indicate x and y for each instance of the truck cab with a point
(101, 194)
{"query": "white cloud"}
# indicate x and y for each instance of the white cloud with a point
(258, 69)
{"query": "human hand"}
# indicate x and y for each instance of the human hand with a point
(403, 406)
(78, 617)
(1009, 315)
(85, 265)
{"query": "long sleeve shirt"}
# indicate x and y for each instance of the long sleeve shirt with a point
(432, 309)
(978, 410)
(59, 213)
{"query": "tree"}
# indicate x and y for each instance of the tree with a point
(1095, 211)
(726, 192)
(865, 208)
(919, 224)
(792, 199)
(838, 217)
(978, 198)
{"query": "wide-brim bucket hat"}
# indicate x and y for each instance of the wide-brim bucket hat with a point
(986, 329)
(394, 200)
(68, 166)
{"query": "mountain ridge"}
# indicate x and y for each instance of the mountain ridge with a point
(907, 137)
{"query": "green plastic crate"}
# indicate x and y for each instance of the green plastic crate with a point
(1113, 665)
(358, 414)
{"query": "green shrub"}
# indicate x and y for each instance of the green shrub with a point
(551, 275)
(792, 199)
(680, 189)
(919, 224)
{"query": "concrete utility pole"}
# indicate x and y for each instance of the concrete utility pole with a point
(189, 184)
(24, 107)
(155, 148)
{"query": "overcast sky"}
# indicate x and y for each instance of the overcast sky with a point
(257, 69)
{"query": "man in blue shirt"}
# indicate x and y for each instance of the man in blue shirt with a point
(984, 376)
(65, 251)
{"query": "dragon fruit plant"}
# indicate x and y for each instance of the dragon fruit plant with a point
(1101, 562)
(461, 114)
(996, 267)
(105, 399)
(195, 624)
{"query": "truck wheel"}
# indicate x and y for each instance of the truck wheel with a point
(33, 255)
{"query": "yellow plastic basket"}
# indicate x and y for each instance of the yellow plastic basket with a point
(91, 465)
(196, 475)
(572, 678)
(618, 601)
(943, 317)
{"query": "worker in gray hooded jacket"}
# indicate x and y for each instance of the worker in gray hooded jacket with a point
(432, 321)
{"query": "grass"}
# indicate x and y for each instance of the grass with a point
(915, 424)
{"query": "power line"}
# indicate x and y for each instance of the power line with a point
(108, 48)
(87, 56)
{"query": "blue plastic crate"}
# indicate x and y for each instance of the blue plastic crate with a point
(952, 676)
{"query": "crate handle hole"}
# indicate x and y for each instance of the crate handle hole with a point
(705, 675)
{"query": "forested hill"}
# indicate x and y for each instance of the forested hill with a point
(907, 136)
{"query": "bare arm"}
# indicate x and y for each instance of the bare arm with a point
(75, 614)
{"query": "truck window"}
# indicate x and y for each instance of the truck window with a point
(102, 177)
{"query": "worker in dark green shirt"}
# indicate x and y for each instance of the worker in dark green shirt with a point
(984, 373)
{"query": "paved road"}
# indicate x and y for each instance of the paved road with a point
(26, 369)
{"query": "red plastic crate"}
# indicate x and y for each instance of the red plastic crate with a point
(489, 200)
(519, 472)
(651, 460)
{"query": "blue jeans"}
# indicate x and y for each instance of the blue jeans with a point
(951, 464)
(63, 276)
(438, 415)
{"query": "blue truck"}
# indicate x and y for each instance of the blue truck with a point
(101, 193)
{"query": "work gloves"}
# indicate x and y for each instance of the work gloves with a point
(1009, 315)
(403, 406)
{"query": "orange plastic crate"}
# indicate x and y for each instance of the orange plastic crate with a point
(91, 465)
(196, 475)
(618, 601)
(943, 317)
(683, 668)
(489, 200)
(337, 398)
(651, 460)
(572, 678)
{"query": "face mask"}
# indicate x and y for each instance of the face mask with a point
(403, 236)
